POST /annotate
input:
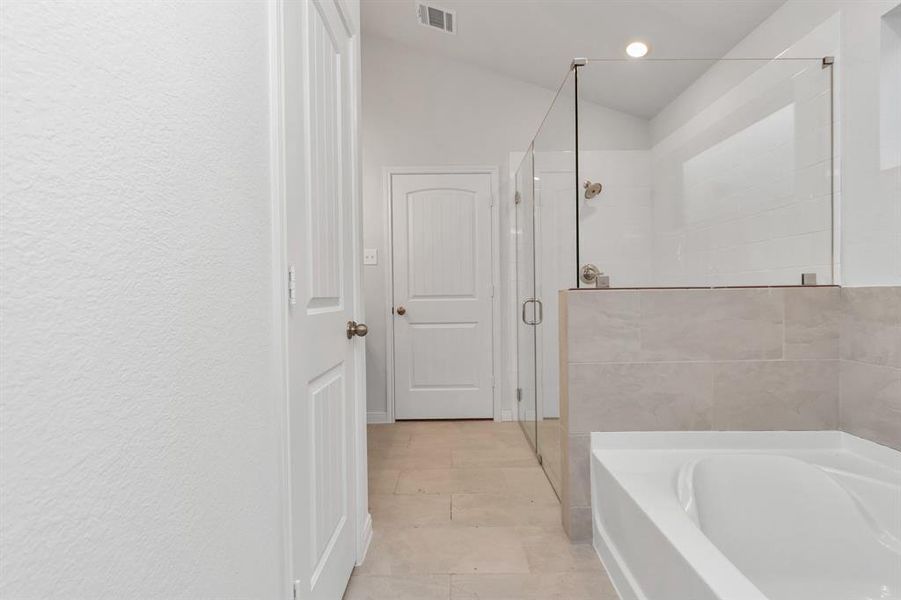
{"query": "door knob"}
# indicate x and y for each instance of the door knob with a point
(401, 310)
(358, 329)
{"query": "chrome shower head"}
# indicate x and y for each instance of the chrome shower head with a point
(592, 189)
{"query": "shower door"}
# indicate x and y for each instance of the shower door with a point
(545, 259)
(554, 207)
(528, 311)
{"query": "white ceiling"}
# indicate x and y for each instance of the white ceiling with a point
(535, 40)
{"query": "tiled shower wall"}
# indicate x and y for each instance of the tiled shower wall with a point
(739, 193)
(742, 189)
(724, 359)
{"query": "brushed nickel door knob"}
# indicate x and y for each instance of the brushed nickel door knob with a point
(358, 329)
(401, 310)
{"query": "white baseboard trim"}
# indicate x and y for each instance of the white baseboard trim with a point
(366, 539)
(377, 416)
(506, 415)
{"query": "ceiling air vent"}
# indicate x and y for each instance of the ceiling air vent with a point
(442, 19)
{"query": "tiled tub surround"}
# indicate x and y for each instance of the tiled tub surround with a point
(870, 379)
(724, 359)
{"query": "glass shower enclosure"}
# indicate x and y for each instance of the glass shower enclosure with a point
(667, 173)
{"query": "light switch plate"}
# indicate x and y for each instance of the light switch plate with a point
(370, 256)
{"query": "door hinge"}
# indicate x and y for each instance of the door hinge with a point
(519, 394)
(517, 198)
(292, 286)
(540, 460)
(294, 587)
(491, 291)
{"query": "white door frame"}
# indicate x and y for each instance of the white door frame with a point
(280, 286)
(387, 174)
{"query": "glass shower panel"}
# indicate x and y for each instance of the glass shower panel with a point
(711, 173)
(526, 401)
(554, 177)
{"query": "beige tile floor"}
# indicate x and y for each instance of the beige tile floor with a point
(549, 439)
(461, 510)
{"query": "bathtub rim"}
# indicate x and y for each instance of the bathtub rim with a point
(750, 440)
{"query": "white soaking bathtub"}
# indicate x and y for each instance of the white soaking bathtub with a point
(747, 515)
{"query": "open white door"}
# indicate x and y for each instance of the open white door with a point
(319, 165)
(442, 259)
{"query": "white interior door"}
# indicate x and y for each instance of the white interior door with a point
(442, 295)
(319, 171)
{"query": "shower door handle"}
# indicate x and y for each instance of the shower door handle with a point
(540, 311)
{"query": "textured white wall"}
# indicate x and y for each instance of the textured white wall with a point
(139, 444)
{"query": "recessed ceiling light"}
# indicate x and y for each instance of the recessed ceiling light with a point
(637, 49)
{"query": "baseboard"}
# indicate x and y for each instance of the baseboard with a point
(506, 415)
(365, 539)
(377, 416)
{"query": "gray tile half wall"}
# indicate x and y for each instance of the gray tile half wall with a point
(870, 396)
(788, 358)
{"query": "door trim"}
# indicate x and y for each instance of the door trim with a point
(387, 174)
(364, 518)
(279, 280)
